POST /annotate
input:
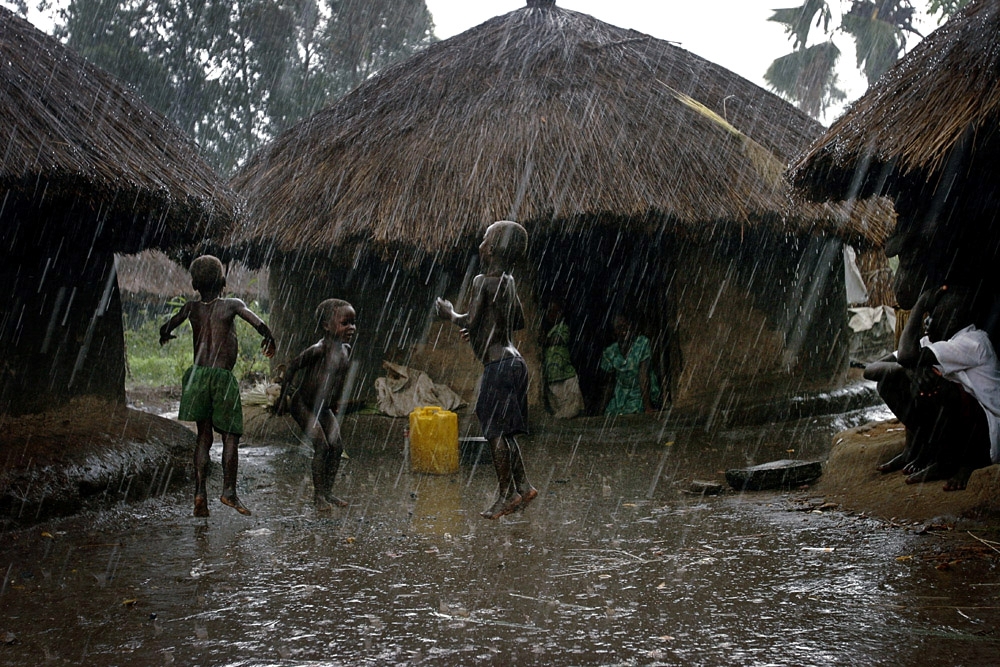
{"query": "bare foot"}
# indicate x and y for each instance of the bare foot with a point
(892, 465)
(502, 507)
(931, 473)
(527, 497)
(200, 506)
(958, 481)
(234, 502)
(328, 502)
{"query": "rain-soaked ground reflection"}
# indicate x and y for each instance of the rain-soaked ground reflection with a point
(612, 565)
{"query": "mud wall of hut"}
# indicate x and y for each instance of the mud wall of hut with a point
(759, 325)
(743, 319)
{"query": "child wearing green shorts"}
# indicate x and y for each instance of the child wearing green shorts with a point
(210, 393)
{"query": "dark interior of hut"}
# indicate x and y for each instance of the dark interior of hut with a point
(62, 328)
(597, 274)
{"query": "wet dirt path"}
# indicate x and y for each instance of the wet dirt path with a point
(613, 565)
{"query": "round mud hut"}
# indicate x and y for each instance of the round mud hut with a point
(649, 179)
(87, 170)
(927, 135)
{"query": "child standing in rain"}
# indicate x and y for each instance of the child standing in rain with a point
(494, 314)
(313, 404)
(210, 393)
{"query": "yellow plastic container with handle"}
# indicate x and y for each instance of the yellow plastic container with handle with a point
(433, 441)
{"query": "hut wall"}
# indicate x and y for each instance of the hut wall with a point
(62, 334)
(741, 320)
(753, 327)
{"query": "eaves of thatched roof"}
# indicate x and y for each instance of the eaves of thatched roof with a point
(153, 275)
(911, 119)
(542, 115)
(73, 135)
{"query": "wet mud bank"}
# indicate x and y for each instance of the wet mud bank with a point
(850, 478)
(87, 454)
(742, 406)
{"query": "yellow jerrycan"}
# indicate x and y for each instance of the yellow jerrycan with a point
(433, 441)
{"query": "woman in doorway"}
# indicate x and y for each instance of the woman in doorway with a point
(635, 388)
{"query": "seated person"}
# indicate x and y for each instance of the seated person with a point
(945, 388)
(562, 386)
(636, 389)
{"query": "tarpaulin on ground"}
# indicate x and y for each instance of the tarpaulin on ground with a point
(404, 389)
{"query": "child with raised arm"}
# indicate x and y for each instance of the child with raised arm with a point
(323, 370)
(494, 314)
(210, 393)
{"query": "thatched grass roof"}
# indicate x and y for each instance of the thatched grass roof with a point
(909, 122)
(71, 133)
(152, 275)
(543, 115)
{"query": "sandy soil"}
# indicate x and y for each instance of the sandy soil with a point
(850, 478)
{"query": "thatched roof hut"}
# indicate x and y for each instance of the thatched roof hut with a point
(73, 134)
(603, 142)
(541, 114)
(926, 134)
(87, 170)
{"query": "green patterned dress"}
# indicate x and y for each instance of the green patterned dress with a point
(627, 399)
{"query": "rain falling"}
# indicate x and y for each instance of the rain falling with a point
(316, 449)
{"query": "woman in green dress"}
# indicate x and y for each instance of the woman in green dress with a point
(636, 389)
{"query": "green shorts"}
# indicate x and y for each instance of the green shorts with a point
(211, 394)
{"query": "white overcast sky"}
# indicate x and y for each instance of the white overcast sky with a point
(733, 33)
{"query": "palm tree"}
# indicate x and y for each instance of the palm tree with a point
(879, 28)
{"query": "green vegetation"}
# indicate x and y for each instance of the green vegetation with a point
(807, 77)
(233, 74)
(153, 365)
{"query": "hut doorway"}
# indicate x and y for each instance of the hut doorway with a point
(597, 273)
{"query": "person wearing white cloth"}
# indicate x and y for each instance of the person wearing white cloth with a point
(944, 386)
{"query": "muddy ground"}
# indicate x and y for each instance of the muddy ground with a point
(88, 454)
(616, 563)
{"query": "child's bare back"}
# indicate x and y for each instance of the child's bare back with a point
(214, 331)
(494, 314)
(210, 394)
